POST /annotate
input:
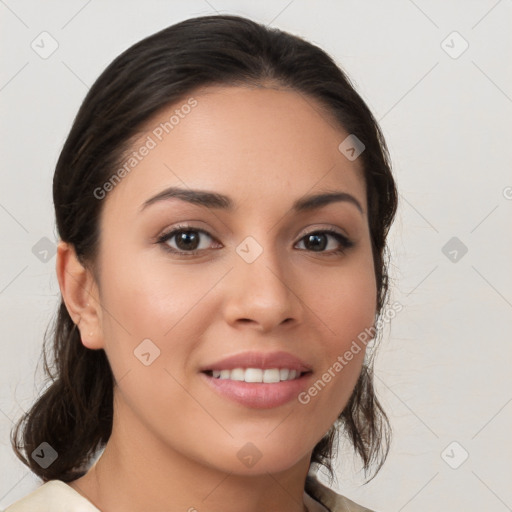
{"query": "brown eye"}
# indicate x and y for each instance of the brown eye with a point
(187, 240)
(317, 241)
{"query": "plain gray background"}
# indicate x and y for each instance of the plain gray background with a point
(437, 76)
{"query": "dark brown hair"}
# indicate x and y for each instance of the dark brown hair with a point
(74, 412)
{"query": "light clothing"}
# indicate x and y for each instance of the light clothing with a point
(53, 496)
(58, 496)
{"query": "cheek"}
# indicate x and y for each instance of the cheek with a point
(150, 298)
(346, 301)
(346, 309)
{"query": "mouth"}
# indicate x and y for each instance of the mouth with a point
(258, 388)
(257, 375)
(260, 380)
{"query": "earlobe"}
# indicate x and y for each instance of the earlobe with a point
(80, 295)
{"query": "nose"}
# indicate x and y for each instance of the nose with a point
(262, 294)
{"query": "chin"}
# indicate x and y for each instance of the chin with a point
(261, 456)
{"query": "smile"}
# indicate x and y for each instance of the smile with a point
(271, 375)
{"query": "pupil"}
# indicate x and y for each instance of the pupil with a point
(318, 241)
(185, 238)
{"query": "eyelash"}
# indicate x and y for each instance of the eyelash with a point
(162, 239)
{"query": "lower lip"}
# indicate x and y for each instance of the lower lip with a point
(259, 395)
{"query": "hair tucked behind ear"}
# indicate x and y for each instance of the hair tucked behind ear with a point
(74, 413)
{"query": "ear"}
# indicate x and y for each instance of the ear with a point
(80, 294)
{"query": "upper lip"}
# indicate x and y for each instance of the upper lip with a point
(263, 360)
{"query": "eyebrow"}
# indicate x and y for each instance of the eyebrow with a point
(220, 201)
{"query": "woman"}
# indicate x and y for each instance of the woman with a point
(223, 201)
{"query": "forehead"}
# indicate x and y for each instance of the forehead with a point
(257, 145)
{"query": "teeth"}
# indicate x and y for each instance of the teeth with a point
(253, 375)
(236, 374)
(271, 375)
(257, 374)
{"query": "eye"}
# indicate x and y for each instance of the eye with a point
(187, 239)
(317, 240)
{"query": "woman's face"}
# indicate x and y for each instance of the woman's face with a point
(251, 281)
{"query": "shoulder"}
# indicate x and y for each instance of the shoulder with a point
(333, 501)
(53, 496)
